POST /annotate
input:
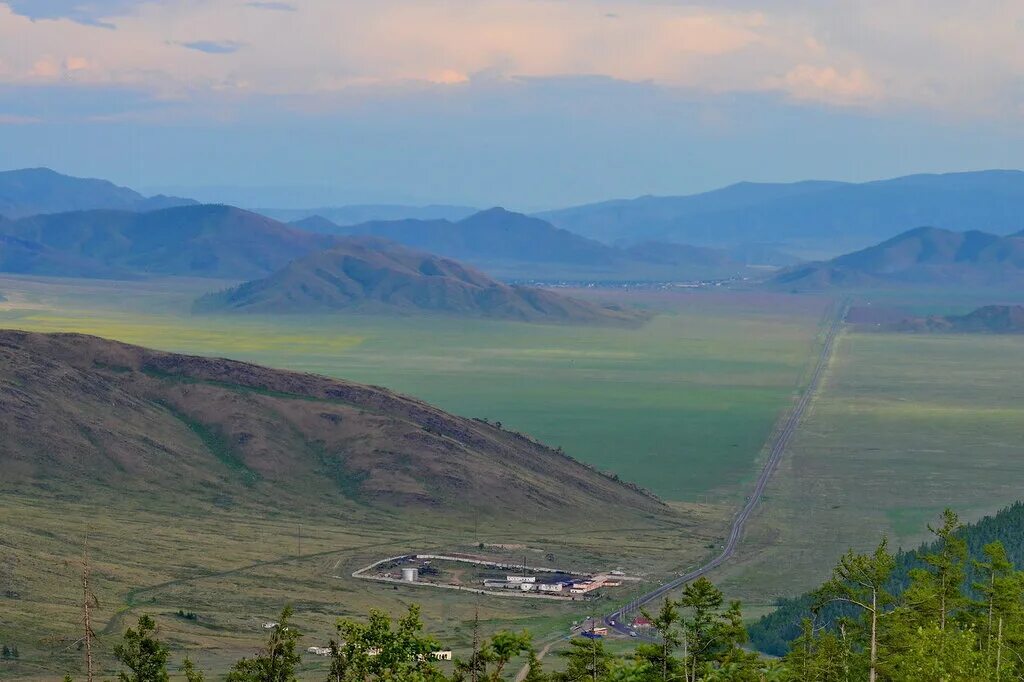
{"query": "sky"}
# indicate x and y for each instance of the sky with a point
(528, 104)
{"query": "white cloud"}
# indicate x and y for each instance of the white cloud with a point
(828, 84)
(934, 54)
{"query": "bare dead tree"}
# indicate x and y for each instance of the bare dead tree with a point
(89, 601)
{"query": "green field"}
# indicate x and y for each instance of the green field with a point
(681, 406)
(905, 425)
(236, 569)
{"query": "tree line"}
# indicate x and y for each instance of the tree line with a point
(954, 618)
(775, 632)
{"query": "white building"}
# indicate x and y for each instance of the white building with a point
(521, 578)
(551, 587)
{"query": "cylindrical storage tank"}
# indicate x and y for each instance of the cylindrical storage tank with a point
(410, 575)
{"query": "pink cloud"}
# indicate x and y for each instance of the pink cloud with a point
(828, 84)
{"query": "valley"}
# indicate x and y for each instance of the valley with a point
(691, 397)
(592, 341)
(904, 426)
(599, 393)
(705, 380)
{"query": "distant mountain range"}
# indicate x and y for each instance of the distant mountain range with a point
(491, 235)
(924, 256)
(32, 191)
(82, 414)
(991, 319)
(372, 275)
(712, 235)
(818, 215)
(219, 241)
(365, 213)
(499, 240)
(200, 241)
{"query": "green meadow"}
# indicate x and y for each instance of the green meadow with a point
(905, 426)
(681, 406)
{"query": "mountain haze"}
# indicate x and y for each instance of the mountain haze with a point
(25, 257)
(372, 275)
(823, 215)
(518, 246)
(32, 191)
(202, 240)
(923, 256)
(991, 319)
(365, 213)
(491, 235)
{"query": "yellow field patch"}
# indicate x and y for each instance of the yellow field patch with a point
(188, 335)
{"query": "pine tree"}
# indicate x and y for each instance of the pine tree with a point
(143, 654)
(860, 580)
(535, 670)
(936, 591)
(277, 661)
(586, 659)
(661, 656)
(188, 669)
(999, 613)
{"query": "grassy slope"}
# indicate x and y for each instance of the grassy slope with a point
(701, 385)
(906, 425)
(237, 568)
(681, 406)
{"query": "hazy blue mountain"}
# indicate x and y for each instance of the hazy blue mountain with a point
(687, 255)
(924, 256)
(990, 319)
(492, 235)
(32, 191)
(817, 215)
(365, 213)
(664, 253)
(319, 224)
(25, 257)
(644, 218)
(366, 274)
(202, 240)
(517, 246)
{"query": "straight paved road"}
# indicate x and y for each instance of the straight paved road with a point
(777, 445)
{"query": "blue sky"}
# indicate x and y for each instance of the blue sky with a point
(523, 103)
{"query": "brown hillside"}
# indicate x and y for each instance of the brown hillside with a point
(79, 412)
(990, 319)
(373, 275)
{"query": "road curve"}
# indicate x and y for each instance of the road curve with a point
(777, 444)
